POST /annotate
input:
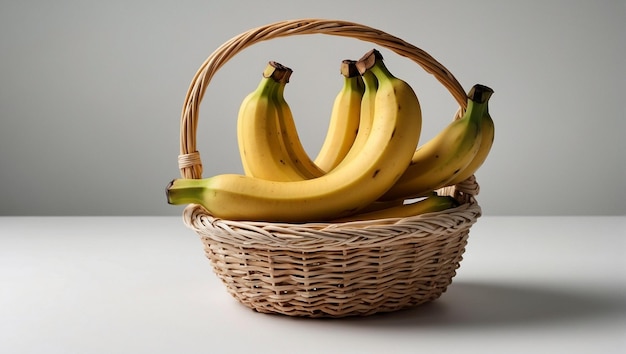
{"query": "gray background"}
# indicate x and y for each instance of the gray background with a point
(91, 94)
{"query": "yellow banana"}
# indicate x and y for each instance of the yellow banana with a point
(344, 119)
(262, 152)
(343, 191)
(289, 135)
(366, 115)
(443, 157)
(486, 142)
(427, 205)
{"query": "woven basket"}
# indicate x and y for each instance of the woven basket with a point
(329, 269)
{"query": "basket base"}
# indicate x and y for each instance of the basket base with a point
(318, 285)
(364, 308)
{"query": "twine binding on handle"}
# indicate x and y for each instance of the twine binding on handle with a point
(329, 269)
(190, 161)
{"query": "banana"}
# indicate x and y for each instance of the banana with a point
(366, 115)
(443, 157)
(343, 191)
(486, 142)
(262, 152)
(378, 205)
(429, 204)
(289, 135)
(344, 119)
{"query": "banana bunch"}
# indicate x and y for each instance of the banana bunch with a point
(370, 165)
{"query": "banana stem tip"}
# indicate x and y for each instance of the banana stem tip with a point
(480, 93)
(167, 191)
(368, 60)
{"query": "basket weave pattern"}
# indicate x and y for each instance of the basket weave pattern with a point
(329, 269)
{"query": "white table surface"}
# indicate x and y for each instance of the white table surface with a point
(143, 285)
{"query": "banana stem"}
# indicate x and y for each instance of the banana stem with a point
(184, 191)
(349, 69)
(480, 93)
(277, 71)
(478, 97)
(369, 60)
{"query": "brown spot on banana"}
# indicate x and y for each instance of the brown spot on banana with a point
(351, 211)
(376, 173)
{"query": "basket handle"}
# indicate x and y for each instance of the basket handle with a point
(189, 161)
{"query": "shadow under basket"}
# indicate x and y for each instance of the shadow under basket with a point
(329, 269)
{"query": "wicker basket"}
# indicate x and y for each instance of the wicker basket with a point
(329, 269)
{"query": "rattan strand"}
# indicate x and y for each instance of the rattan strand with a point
(329, 269)
(322, 237)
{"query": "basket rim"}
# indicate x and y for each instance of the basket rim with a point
(189, 161)
(332, 236)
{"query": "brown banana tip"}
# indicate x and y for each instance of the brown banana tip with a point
(167, 191)
(348, 68)
(368, 60)
(286, 75)
(277, 65)
(277, 71)
(480, 93)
